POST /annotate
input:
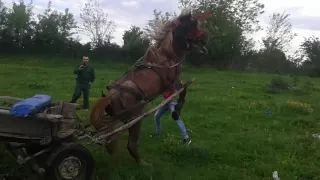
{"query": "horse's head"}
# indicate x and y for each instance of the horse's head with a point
(182, 34)
(188, 34)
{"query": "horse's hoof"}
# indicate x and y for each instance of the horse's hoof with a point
(145, 164)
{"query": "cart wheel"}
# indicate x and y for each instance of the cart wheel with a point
(70, 162)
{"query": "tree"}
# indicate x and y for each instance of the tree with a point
(311, 49)
(3, 16)
(244, 13)
(95, 23)
(134, 43)
(4, 41)
(19, 25)
(54, 29)
(133, 38)
(296, 58)
(272, 55)
(231, 20)
(279, 33)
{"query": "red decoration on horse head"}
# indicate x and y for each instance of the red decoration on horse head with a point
(204, 15)
(188, 32)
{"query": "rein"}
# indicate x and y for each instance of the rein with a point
(159, 66)
(153, 64)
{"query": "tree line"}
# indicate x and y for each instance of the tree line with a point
(53, 33)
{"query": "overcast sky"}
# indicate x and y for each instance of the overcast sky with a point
(305, 14)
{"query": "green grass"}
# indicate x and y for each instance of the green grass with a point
(225, 116)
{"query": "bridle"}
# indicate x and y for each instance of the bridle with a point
(193, 37)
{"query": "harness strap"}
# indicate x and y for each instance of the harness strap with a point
(140, 95)
(143, 66)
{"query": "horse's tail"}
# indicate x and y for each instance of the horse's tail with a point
(97, 113)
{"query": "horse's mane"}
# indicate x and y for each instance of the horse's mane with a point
(163, 34)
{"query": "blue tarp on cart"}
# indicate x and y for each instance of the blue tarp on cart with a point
(31, 105)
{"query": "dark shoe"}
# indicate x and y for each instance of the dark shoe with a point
(187, 141)
(175, 115)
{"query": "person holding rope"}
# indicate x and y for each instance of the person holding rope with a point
(175, 107)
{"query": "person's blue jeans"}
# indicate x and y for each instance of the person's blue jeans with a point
(160, 112)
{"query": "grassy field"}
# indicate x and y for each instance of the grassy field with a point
(239, 131)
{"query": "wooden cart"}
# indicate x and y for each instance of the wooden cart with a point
(50, 140)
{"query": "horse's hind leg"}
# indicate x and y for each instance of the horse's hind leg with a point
(133, 144)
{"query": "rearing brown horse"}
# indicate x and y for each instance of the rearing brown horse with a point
(158, 72)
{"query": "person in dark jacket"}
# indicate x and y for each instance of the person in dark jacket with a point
(85, 77)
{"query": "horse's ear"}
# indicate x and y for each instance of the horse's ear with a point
(186, 12)
(184, 16)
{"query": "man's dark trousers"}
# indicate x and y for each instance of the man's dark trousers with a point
(82, 88)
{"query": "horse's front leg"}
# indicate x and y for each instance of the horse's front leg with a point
(113, 149)
(133, 144)
(112, 145)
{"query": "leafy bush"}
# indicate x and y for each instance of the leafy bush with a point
(295, 81)
(305, 89)
(308, 87)
(278, 84)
